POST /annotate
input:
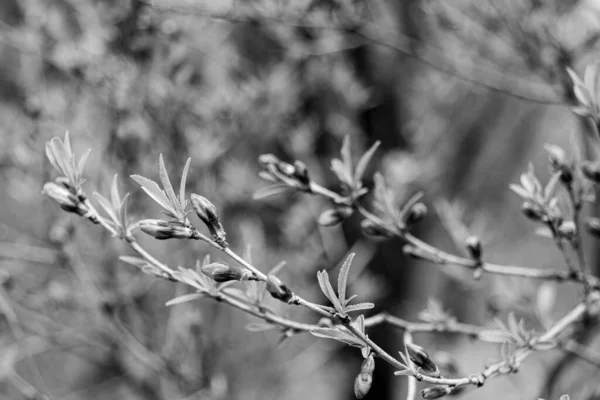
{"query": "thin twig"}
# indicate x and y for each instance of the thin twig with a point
(411, 390)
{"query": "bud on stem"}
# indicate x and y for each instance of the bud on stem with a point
(207, 212)
(362, 384)
(532, 212)
(421, 359)
(435, 392)
(473, 245)
(224, 273)
(278, 289)
(67, 200)
(163, 230)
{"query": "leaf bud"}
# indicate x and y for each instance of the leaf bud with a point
(334, 216)
(225, 273)
(556, 156)
(65, 198)
(278, 289)
(163, 230)
(301, 172)
(64, 181)
(368, 365)
(435, 392)
(207, 212)
(473, 245)
(362, 384)
(593, 226)
(416, 214)
(591, 170)
(532, 211)
(421, 359)
(558, 162)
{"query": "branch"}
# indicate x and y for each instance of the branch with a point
(442, 257)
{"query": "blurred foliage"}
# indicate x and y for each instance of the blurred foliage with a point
(222, 82)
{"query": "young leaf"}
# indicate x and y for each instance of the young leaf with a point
(551, 186)
(166, 182)
(343, 278)
(361, 165)
(590, 77)
(107, 206)
(82, 162)
(153, 190)
(337, 334)
(184, 174)
(520, 191)
(323, 278)
(123, 211)
(184, 299)
(115, 198)
(359, 307)
(342, 171)
(269, 191)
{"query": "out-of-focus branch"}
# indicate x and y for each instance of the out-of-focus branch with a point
(372, 32)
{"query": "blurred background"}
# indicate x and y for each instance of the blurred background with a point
(462, 94)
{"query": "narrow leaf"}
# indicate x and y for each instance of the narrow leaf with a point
(153, 190)
(184, 174)
(359, 307)
(574, 77)
(323, 278)
(123, 214)
(184, 299)
(67, 145)
(341, 171)
(343, 277)
(361, 165)
(82, 161)
(337, 334)
(349, 299)
(277, 268)
(61, 157)
(551, 186)
(115, 198)
(50, 156)
(166, 182)
(590, 77)
(269, 191)
(105, 204)
(520, 191)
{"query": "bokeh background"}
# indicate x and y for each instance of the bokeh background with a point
(462, 94)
